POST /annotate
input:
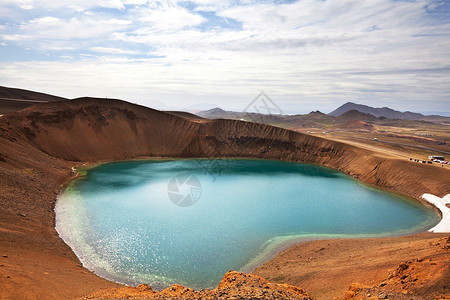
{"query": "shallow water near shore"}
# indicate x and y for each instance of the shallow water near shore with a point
(190, 221)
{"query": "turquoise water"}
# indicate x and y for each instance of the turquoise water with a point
(127, 222)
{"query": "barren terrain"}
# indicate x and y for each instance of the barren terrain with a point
(40, 144)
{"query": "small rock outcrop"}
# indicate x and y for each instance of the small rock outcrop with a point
(234, 285)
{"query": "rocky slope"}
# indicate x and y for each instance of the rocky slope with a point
(40, 144)
(234, 285)
(416, 266)
(93, 130)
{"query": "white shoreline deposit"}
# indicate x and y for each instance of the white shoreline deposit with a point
(440, 203)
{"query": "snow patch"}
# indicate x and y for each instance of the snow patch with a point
(440, 203)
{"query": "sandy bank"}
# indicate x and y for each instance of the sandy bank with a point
(326, 268)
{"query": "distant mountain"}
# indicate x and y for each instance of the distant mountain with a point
(13, 93)
(348, 116)
(348, 112)
(12, 99)
(355, 115)
(185, 115)
(353, 125)
(315, 116)
(218, 113)
(384, 112)
(313, 119)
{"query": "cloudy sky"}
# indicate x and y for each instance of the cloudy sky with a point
(305, 55)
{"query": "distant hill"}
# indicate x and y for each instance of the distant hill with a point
(348, 112)
(355, 115)
(313, 119)
(343, 118)
(383, 112)
(218, 113)
(13, 93)
(185, 115)
(353, 125)
(12, 99)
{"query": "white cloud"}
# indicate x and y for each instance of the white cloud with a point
(51, 4)
(112, 4)
(211, 5)
(112, 50)
(23, 4)
(169, 18)
(52, 28)
(309, 49)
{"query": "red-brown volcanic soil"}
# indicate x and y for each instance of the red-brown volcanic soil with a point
(234, 285)
(40, 144)
(326, 268)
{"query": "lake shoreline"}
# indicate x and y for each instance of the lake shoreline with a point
(267, 251)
